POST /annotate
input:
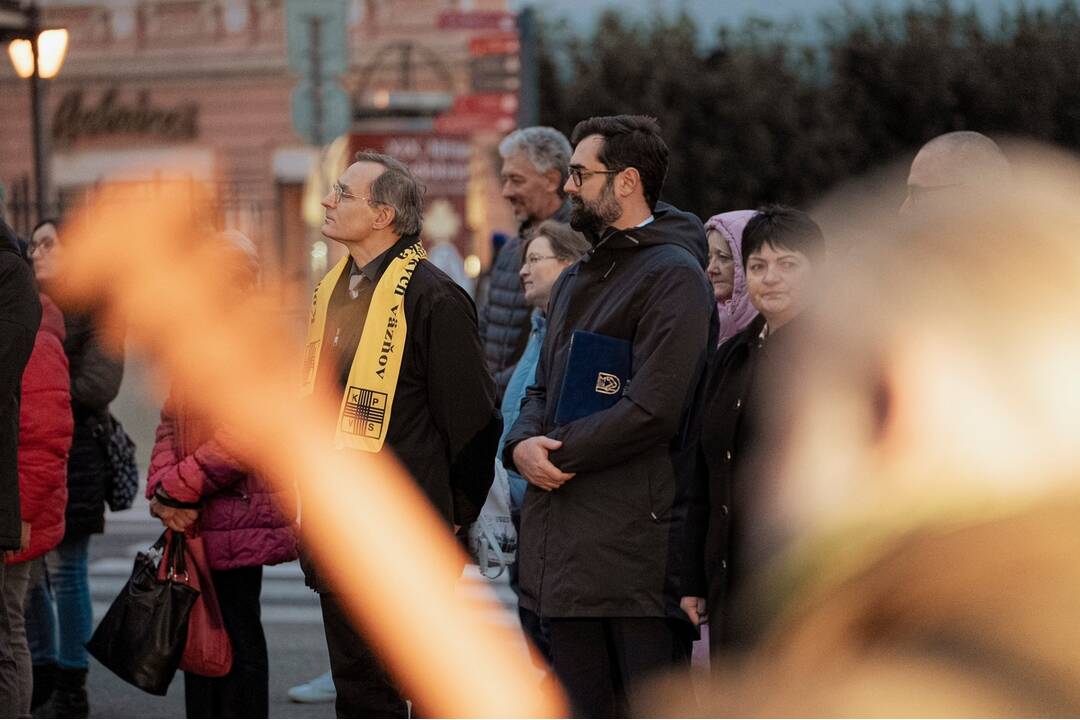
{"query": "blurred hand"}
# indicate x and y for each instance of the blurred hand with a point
(531, 459)
(24, 542)
(695, 609)
(176, 519)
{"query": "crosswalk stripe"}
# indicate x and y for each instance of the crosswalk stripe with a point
(271, 614)
(286, 600)
(122, 566)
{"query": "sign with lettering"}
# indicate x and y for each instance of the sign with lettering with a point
(505, 43)
(76, 118)
(452, 20)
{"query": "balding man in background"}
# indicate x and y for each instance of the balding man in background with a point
(952, 165)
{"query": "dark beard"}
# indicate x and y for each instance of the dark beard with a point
(586, 217)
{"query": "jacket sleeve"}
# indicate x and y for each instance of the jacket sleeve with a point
(668, 347)
(692, 572)
(502, 379)
(20, 317)
(96, 377)
(192, 477)
(461, 395)
(530, 421)
(45, 427)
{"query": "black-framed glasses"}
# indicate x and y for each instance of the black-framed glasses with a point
(580, 174)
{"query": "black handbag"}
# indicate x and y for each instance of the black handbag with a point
(142, 636)
(123, 484)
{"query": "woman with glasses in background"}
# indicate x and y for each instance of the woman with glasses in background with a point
(57, 635)
(552, 248)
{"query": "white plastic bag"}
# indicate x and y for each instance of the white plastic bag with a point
(492, 538)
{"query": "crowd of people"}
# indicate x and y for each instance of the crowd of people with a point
(58, 413)
(617, 376)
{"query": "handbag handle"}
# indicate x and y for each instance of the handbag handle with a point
(177, 561)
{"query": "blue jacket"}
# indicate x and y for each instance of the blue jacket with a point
(523, 376)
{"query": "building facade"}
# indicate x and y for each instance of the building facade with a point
(248, 95)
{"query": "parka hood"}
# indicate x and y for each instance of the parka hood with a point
(670, 226)
(9, 241)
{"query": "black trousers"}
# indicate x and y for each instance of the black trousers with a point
(535, 627)
(364, 689)
(245, 691)
(601, 661)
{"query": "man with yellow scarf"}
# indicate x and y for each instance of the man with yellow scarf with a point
(396, 340)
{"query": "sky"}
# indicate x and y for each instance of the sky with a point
(709, 13)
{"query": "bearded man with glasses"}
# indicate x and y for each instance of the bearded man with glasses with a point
(602, 516)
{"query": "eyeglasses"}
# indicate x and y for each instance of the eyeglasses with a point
(45, 243)
(580, 174)
(340, 192)
(533, 259)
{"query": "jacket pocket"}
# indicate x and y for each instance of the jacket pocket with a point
(661, 487)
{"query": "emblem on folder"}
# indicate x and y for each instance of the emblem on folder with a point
(607, 384)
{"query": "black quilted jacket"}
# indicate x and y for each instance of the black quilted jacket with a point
(504, 318)
(20, 315)
(95, 382)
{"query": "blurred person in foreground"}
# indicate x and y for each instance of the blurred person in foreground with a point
(554, 247)
(534, 161)
(20, 318)
(726, 272)
(923, 533)
(951, 166)
(45, 428)
(411, 376)
(599, 523)
(194, 485)
(783, 257)
(57, 634)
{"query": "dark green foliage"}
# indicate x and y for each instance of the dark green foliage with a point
(756, 117)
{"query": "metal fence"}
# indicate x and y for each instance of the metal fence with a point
(223, 205)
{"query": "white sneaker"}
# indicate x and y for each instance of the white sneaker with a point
(318, 690)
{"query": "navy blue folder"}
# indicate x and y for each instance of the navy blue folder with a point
(597, 370)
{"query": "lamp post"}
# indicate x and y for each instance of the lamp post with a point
(37, 55)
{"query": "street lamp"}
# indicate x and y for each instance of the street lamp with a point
(37, 55)
(51, 50)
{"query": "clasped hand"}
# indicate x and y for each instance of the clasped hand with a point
(531, 459)
(176, 519)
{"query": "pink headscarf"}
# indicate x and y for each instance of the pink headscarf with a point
(736, 312)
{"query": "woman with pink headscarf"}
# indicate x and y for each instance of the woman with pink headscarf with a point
(726, 274)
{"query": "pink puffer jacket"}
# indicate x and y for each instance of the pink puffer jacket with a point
(243, 522)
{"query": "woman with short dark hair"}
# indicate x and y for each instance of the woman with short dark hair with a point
(783, 251)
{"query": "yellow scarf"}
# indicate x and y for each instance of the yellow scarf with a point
(369, 396)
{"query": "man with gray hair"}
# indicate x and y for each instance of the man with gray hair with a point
(951, 165)
(391, 332)
(534, 168)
